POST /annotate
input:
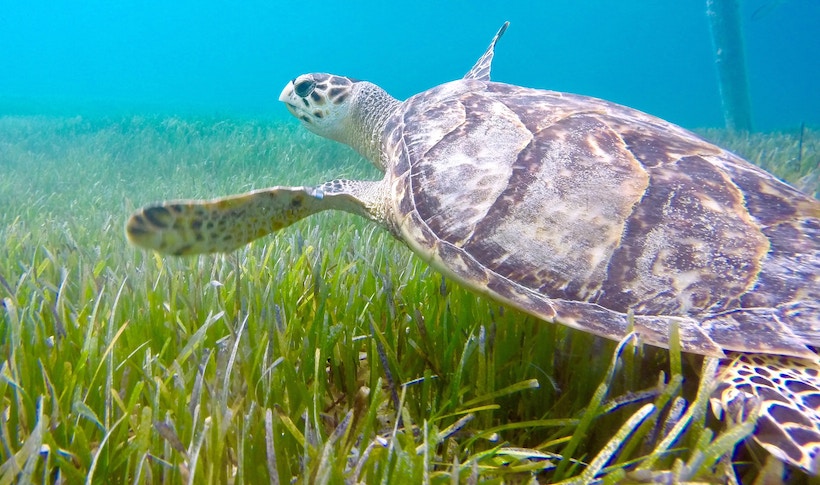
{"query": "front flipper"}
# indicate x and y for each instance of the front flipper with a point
(481, 70)
(185, 227)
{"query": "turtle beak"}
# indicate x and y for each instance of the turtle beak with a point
(286, 93)
(288, 97)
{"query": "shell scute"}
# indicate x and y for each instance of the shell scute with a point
(687, 247)
(453, 197)
(654, 151)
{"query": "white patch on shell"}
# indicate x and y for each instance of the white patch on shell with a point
(469, 173)
(435, 127)
(561, 219)
(482, 178)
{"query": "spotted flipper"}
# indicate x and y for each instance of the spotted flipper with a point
(183, 227)
(788, 392)
(481, 70)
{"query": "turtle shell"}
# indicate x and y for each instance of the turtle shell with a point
(601, 217)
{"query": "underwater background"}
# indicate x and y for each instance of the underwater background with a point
(291, 359)
(221, 59)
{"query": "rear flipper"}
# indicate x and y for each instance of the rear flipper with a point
(788, 392)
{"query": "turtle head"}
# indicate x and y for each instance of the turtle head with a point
(342, 109)
(322, 103)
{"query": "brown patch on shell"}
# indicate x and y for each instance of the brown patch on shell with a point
(688, 247)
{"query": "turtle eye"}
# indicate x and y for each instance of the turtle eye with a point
(304, 88)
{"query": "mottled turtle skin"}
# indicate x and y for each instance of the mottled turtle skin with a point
(574, 209)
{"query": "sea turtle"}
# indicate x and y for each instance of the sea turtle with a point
(576, 210)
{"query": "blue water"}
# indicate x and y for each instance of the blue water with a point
(211, 58)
